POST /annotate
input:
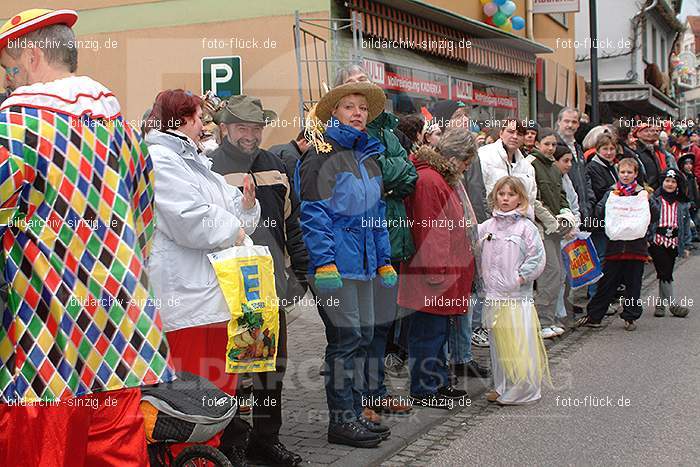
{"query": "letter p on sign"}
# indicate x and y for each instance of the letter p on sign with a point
(222, 76)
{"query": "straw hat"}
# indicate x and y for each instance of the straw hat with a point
(373, 93)
(30, 20)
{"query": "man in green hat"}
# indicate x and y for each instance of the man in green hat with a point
(243, 119)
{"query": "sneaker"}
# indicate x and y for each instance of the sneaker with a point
(472, 369)
(353, 434)
(548, 333)
(480, 337)
(679, 311)
(236, 455)
(451, 392)
(382, 430)
(659, 311)
(395, 366)
(586, 321)
(630, 325)
(276, 453)
(558, 330)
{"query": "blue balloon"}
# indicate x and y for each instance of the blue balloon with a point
(500, 2)
(508, 8)
(518, 22)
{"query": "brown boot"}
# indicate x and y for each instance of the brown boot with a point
(492, 395)
(392, 405)
(371, 415)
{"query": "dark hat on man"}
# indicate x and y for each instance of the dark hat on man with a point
(244, 109)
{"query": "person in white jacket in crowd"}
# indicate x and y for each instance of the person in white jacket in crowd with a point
(503, 158)
(196, 213)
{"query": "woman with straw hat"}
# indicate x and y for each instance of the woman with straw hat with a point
(344, 228)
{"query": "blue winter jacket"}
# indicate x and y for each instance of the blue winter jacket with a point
(342, 211)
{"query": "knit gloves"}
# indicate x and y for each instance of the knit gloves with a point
(387, 276)
(327, 278)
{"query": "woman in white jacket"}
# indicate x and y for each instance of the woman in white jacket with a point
(197, 213)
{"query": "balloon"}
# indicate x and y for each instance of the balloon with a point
(507, 27)
(518, 22)
(500, 2)
(507, 8)
(499, 19)
(490, 9)
(489, 21)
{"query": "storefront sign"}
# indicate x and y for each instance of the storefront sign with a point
(375, 70)
(416, 86)
(555, 6)
(222, 76)
(491, 100)
(463, 90)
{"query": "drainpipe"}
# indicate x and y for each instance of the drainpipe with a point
(533, 82)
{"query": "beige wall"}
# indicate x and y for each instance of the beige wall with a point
(145, 62)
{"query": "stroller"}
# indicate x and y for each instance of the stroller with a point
(184, 420)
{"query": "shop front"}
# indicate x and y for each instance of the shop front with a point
(421, 54)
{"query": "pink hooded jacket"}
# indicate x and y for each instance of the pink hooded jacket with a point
(510, 247)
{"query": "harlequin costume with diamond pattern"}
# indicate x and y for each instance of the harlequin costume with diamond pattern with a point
(76, 220)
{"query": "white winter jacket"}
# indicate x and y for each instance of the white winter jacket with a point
(495, 165)
(197, 213)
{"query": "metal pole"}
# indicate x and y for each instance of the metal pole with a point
(595, 112)
(297, 53)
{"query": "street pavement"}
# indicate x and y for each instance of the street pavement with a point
(619, 398)
(647, 376)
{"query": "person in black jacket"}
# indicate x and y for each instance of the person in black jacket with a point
(240, 154)
(290, 153)
(568, 122)
(600, 176)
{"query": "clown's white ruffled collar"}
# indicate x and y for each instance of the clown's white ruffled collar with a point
(74, 95)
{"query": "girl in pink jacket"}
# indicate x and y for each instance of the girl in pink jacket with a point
(512, 257)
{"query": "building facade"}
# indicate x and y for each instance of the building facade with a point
(635, 41)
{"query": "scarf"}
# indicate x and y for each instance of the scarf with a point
(626, 190)
(352, 138)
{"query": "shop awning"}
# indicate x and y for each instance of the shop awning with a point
(640, 98)
(429, 29)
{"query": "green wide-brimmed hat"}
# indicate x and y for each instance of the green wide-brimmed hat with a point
(244, 109)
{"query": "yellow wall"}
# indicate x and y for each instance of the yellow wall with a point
(475, 10)
(547, 31)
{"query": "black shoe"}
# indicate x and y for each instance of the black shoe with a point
(382, 430)
(472, 369)
(451, 392)
(236, 455)
(272, 453)
(587, 322)
(433, 401)
(352, 434)
(696, 240)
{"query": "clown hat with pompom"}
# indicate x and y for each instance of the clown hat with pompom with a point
(30, 20)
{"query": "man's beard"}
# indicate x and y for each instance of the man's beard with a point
(247, 151)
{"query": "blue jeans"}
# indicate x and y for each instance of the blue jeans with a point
(384, 315)
(348, 315)
(427, 359)
(460, 341)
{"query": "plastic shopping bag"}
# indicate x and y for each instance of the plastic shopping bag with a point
(246, 277)
(581, 261)
(627, 217)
